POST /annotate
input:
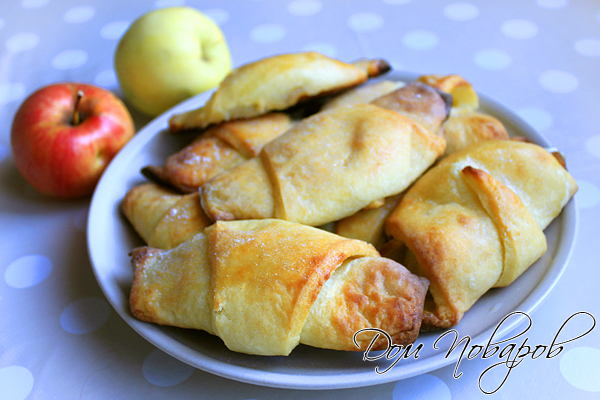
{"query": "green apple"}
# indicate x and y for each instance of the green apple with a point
(169, 55)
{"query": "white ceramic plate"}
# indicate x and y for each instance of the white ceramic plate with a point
(110, 239)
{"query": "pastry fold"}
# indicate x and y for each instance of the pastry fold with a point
(465, 127)
(325, 168)
(264, 286)
(362, 94)
(276, 83)
(161, 217)
(419, 102)
(368, 223)
(476, 220)
(218, 149)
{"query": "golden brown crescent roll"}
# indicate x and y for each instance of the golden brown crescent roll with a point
(462, 92)
(419, 102)
(220, 148)
(264, 286)
(161, 217)
(276, 83)
(465, 127)
(325, 168)
(475, 221)
(362, 94)
(462, 127)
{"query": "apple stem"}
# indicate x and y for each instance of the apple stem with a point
(76, 119)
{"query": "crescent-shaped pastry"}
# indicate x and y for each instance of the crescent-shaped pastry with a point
(362, 94)
(325, 168)
(419, 102)
(475, 221)
(161, 217)
(276, 83)
(218, 149)
(465, 127)
(462, 92)
(265, 286)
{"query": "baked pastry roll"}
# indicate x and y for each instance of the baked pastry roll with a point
(276, 83)
(220, 148)
(161, 217)
(419, 102)
(325, 168)
(462, 92)
(465, 127)
(414, 101)
(368, 223)
(264, 286)
(461, 127)
(362, 94)
(475, 221)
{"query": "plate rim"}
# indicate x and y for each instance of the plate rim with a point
(568, 220)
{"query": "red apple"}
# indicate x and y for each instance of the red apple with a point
(62, 141)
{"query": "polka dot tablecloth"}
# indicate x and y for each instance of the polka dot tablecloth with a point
(60, 338)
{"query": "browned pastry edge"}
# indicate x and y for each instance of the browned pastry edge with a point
(373, 68)
(139, 255)
(156, 174)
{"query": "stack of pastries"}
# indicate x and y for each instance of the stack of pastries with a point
(317, 201)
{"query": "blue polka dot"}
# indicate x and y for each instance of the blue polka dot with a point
(592, 145)
(492, 59)
(588, 47)
(519, 29)
(552, 3)
(365, 22)
(581, 368)
(22, 42)
(420, 39)
(168, 3)
(304, 8)
(11, 91)
(556, 81)
(160, 369)
(114, 30)
(588, 194)
(34, 3)
(69, 59)
(85, 315)
(106, 78)
(27, 271)
(78, 15)
(267, 33)
(461, 11)
(16, 382)
(424, 386)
